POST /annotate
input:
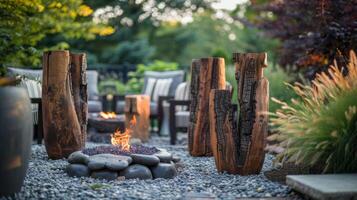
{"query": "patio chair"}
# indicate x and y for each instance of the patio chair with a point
(159, 86)
(179, 117)
(94, 99)
(32, 83)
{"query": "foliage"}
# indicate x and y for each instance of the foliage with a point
(320, 128)
(134, 20)
(129, 52)
(209, 35)
(112, 86)
(25, 23)
(136, 81)
(231, 79)
(278, 89)
(312, 38)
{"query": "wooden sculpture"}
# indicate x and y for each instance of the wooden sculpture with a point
(241, 149)
(138, 106)
(64, 103)
(79, 91)
(207, 74)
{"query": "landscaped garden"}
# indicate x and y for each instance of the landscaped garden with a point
(178, 99)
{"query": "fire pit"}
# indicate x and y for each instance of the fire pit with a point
(103, 124)
(106, 122)
(122, 160)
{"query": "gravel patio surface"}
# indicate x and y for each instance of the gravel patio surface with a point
(46, 179)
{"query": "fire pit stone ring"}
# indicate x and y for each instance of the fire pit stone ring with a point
(112, 163)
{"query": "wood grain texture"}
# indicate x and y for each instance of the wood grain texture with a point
(207, 74)
(62, 130)
(240, 149)
(224, 140)
(138, 106)
(253, 98)
(79, 91)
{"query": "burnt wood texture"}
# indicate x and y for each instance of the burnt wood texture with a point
(79, 91)
(207, 74)
(64, 103)
(246, 156)
(138, 106)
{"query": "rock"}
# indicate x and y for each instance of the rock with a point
(164, 170)
(135, 141)
(109, 161)
(199, 195)
(260, 189)
(176, 159)
(77, 170)
(136, 171)
(147, 160)
(78, 157)
(104, 174)
(164, 156)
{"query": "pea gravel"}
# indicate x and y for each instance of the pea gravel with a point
(46, 179)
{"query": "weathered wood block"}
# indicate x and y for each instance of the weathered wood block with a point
(138, 106)
(241, 150)
(79, 91)
(224, 138)
(207, 74)
(63, 98)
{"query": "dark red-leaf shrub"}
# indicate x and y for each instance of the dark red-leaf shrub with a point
(313, 32)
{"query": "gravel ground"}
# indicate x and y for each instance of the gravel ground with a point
(46, 179)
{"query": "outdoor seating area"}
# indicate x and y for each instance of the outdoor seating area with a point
(178, 99)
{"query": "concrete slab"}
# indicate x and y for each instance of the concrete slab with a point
(325, 187)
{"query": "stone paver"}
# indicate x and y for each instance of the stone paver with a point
(328, 186)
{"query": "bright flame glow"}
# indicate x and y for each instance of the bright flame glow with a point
(107, 115)
(122, 139)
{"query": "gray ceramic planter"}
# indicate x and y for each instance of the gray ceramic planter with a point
(16, 131)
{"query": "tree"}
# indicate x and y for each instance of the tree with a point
(24, 24)
(208, 35)
(313, 33)
(135, 21)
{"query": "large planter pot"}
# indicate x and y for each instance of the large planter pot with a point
(16, 132)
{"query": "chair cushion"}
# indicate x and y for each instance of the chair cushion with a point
(176, 76)
(150, 86)
(157, 87)
(182, 93)
(162, 87)
(119, 107)
(92, 81)
(182, 118)
(94, 106)
(34, 90)
(34, 74)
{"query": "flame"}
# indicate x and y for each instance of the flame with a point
(122, 139)
(107, 115)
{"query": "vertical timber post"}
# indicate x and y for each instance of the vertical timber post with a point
(207, 74)
(79, 91)
(253, 99)
(62, 129)
(241, 150)
(138, 106)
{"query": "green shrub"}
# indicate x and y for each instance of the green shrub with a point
(320, 128)
(230, 78)
(278, 88)
(277, 85)
(112, 86)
